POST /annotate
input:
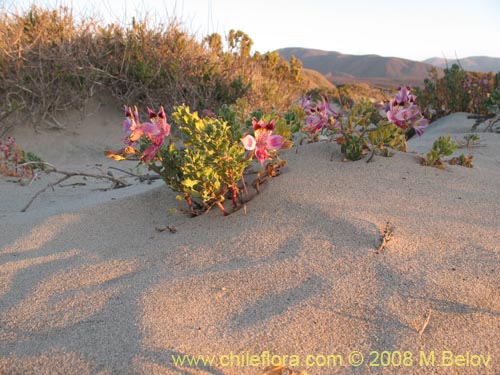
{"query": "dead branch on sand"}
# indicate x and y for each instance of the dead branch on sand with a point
(386, 236)
(482, 118)
(426, 323)
(142, 177)
(49, 168)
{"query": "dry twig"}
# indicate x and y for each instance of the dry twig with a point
(371, 155)
(142, 177)
(117, 183)
(426, 323)
(386, 237)
(482, 118)
(171, 229)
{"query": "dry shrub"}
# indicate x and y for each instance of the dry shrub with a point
(51, 61)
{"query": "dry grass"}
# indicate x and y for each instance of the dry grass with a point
(50, 61)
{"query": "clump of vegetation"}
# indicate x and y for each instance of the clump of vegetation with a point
(386, 137)
(14, 162)
(352, 131)
(459, 91)
(463, 160)
(51, 62)
(469, 140)
(362, 127)
(348, 94)
(207, 166)
(443, 146)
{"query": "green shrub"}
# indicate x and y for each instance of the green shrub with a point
(458, 91)
(443, 146)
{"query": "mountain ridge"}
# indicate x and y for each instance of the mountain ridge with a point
(482, 64)
(342, 68)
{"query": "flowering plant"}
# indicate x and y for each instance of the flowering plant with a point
(265, 143)
(405, 114)
(363, 124)
(348, 129)
(13, 160)
(207, 167)
(443, 146)
(321, 119)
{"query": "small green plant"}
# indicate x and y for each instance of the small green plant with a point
(352, 146)
(212, 162)
(463, 160)
(469, 140)
(352, 130)
(443, 146)
(35, 161)
(13, 160)
(385, 137)
(228, 114)
(294, 117)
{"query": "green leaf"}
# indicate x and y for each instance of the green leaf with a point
(200, 125)
(189, 183)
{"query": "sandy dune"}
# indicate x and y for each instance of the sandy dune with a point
(88, 286)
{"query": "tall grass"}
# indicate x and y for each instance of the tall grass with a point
(50, 62)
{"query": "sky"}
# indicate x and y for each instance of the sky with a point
(414, 30)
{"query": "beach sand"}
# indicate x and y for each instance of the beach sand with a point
(89, 286)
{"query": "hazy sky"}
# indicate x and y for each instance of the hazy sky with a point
(411, 29)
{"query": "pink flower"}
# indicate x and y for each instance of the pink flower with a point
(404, 113)
(209, 113)
(403, 117)
(159, 122)
(155, 131)
(262, 125)
(421, 125)
(403, 96)
(263, 141)
(318, 115)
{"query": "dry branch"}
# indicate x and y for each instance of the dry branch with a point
(482, 118)
(117, 183)
(386, 237)
(141, 177)
(426, 323)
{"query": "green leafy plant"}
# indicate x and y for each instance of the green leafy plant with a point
(469, 140)
(362, 125)
(206, 166)
(213, 163)
(458, 91)
(443, 146)
(386, 137)
(13, 160)
(228, 114)
(294, 117)
(352, 132)
(352, 146)
(463, 160)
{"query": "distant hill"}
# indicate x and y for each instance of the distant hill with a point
(316, 80)
(474, 63)
(372, 69)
